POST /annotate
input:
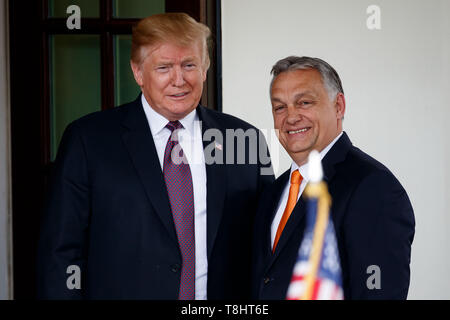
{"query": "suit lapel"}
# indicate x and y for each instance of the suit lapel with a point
(216, 176)
(335, 155)
(295, 219)
(139, 142)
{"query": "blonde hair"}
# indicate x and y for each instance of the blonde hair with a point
(179, 28)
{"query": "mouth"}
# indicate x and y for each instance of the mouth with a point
(303, 130)
(180, 95)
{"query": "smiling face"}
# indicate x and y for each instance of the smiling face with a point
(304, 114)
(171, 78)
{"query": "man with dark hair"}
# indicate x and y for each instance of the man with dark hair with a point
(136, 207)
(370, 210)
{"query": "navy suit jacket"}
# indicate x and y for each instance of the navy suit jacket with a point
(108, 213)
(374, 224)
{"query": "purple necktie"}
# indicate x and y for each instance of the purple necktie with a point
(177, 175)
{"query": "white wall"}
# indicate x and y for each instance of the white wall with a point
(397, 85)
(5, 221)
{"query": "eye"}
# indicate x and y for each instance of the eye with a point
(279, 108)
(190, 66)
(162, 68)
(305, 103)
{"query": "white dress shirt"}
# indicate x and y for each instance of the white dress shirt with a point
(284, 196)
(190, 140)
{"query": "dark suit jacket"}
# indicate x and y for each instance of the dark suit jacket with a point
(374, 223)
(108, 213)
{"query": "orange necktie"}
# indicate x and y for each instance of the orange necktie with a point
(296, 180)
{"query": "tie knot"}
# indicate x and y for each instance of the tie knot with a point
(174, 125)
(296, 177)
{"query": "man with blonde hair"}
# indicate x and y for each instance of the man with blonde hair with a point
(137, 209)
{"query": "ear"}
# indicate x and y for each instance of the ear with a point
(204, 72)
(340, 106)
(137, 72)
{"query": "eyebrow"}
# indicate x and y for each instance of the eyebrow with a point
(169, 60)
(276, 100)
(302, 94)
(297, 96)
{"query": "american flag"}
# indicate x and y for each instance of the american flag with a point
(317, 272)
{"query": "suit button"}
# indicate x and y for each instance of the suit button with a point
(175, 267)
(266, 280)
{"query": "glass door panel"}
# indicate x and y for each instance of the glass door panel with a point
(125, 87)
(137, 8)
(75, 88)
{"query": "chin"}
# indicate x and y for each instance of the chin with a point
(300, 149)
(180, 111)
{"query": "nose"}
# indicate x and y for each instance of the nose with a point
(293, 115)
(178, 76)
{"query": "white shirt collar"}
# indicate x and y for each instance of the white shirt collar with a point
(304, 168)
(158, 122)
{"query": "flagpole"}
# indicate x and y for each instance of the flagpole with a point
(319, 191)
(316, 189)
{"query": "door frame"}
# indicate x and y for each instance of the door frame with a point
(6, 276)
